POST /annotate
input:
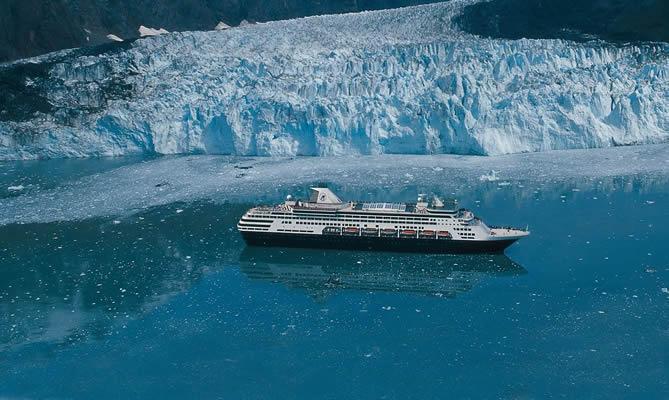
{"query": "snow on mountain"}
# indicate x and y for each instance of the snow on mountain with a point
(393, 81)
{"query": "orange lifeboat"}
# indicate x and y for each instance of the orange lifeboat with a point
(408, 233)
(426, 234)
(389, 232)
(351, 231)
(370, 232)
(444, 235)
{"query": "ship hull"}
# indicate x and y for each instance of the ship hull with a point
(395, 244)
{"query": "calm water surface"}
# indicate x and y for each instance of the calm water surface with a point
(169, 303)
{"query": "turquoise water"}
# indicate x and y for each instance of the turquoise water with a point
(167, 302)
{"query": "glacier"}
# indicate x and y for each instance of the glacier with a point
(402, 81)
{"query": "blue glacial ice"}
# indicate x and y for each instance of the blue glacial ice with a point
(392, 81)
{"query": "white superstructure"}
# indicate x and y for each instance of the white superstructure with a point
(326, 214)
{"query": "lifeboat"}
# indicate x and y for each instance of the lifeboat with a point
(426, 234)
(351, 231)
(370, 232)
(388, 232)
(444, 235)
(408, 233)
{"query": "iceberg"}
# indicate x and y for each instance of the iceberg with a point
(144, 31)
(221, 26)
(402, 81)
(113, 37)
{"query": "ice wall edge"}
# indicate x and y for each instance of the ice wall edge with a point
(395, 81)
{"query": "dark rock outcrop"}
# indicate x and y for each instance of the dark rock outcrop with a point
(611, 20)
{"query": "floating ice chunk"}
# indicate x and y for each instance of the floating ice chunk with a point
(144, 31)
(114, 38)
(665, 290)
(221, 26)
(491, 177)
(123, 191)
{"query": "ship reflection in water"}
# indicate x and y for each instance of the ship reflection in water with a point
(322, 272)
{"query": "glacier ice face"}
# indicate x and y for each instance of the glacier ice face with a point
(393, 81)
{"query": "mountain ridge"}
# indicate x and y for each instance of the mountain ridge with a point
(34, 27)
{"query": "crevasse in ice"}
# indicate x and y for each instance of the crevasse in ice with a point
(392, 81)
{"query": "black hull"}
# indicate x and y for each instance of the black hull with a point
(375, 243)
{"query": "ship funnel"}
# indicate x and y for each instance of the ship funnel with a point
(323, 196)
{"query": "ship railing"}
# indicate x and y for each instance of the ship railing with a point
(317, 206)
(506, 228)
(270, 209)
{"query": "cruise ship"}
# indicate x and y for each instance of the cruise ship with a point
(325, 221)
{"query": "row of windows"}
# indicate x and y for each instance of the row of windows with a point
(311, 223)
(341, 224)
(355, 218)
